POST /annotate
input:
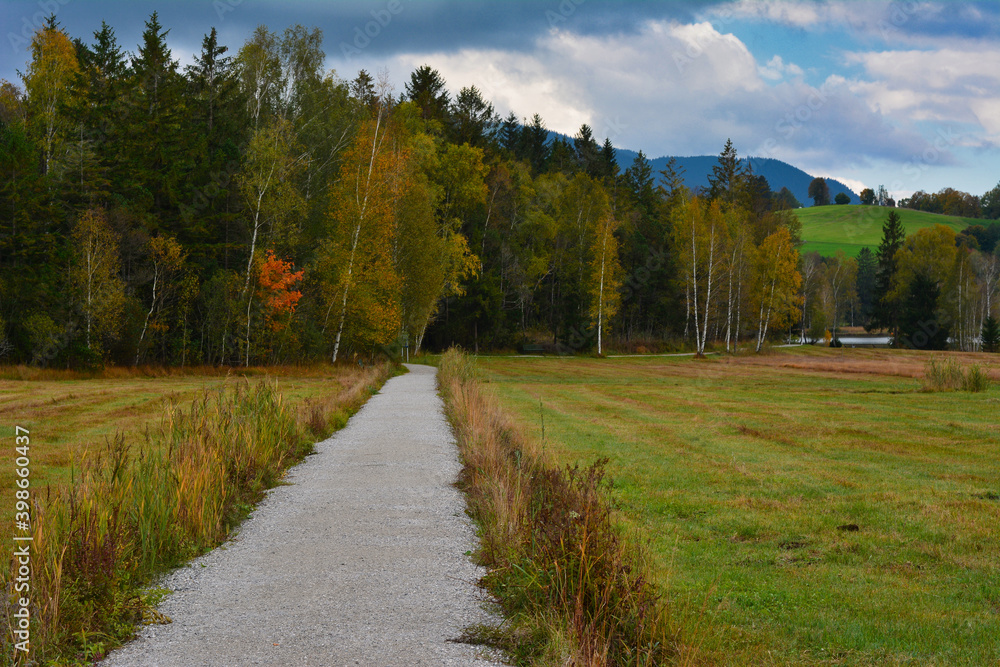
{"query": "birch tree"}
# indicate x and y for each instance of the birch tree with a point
(271, 198)
(167, 258)
(778, 283)
(699, 236)
(605, 277)
(361, 282)
(95, 276)
(49, 87)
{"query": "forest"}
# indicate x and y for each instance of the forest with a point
(253, 208)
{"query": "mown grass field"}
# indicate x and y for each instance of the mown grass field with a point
(826, 229)
(67, 413)
(804, 507)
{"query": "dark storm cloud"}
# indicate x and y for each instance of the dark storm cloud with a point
(381, 27)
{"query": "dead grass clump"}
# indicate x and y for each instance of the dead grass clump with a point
(949, 375)
(574, 587)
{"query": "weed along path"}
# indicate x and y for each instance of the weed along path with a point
(360, 560)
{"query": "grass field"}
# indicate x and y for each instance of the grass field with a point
(67, 413)
(826, 229)
(804, 507)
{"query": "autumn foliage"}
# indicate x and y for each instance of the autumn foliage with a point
(276, 281)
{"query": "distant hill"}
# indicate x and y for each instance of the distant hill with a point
(696, 170)
(826, 229)
(778, 174)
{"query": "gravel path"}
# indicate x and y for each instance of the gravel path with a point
(360, 561)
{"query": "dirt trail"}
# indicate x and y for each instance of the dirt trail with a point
(360, 561)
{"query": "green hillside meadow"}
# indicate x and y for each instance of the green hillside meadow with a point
(826, 229)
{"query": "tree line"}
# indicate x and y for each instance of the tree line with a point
(254, 208)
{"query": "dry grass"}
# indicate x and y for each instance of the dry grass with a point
(155, 495)
(573, 585)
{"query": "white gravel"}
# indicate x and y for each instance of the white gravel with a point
(360, 561)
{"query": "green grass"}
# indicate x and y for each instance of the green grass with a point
(826, 229)
(161, 470)
(749, 475)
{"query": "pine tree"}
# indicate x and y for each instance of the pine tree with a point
(724, 182)
(887, 300)
(427, 88)
(211, 80)
(587, 152)
(155, 144)
(991, 335)
(866, 284)
(510, 132)
(609, 164)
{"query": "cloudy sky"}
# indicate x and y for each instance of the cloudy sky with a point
(901, 93)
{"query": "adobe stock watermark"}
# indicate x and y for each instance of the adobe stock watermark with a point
(562, 13)
(223, 7)
(363, 35)
(795, 119)
(31, 24)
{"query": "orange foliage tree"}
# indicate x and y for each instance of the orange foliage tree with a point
(276, 283)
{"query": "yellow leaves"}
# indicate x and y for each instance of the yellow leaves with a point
(48, 84)
(931, 251)
(604, 280)
(461, 174)
(95, 277)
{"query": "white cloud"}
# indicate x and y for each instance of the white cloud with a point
(776, 69)
(854, 184)
(812, 15)
(946, 85)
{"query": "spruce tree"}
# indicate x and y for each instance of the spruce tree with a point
(724, 182)
(866, 284)
(887, 300)
(991, 335)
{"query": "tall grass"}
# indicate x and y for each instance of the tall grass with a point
(131, 513)
(574, 587)
(949, 375)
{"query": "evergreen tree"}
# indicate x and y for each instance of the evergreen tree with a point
(510, 133)
(587, 152)
(920, 327)
(156, 151)
(473, 119)
(784, 199)
(609, 164)
(887, 301)
(534, 148)
(562, 158)
(866, 284)
(363, 90)
(991, 335)
(211, 79)
(427, 89)
(638, 179)
(724, 182)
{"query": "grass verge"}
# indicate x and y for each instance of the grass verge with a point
(573, 585)
(131, 511)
